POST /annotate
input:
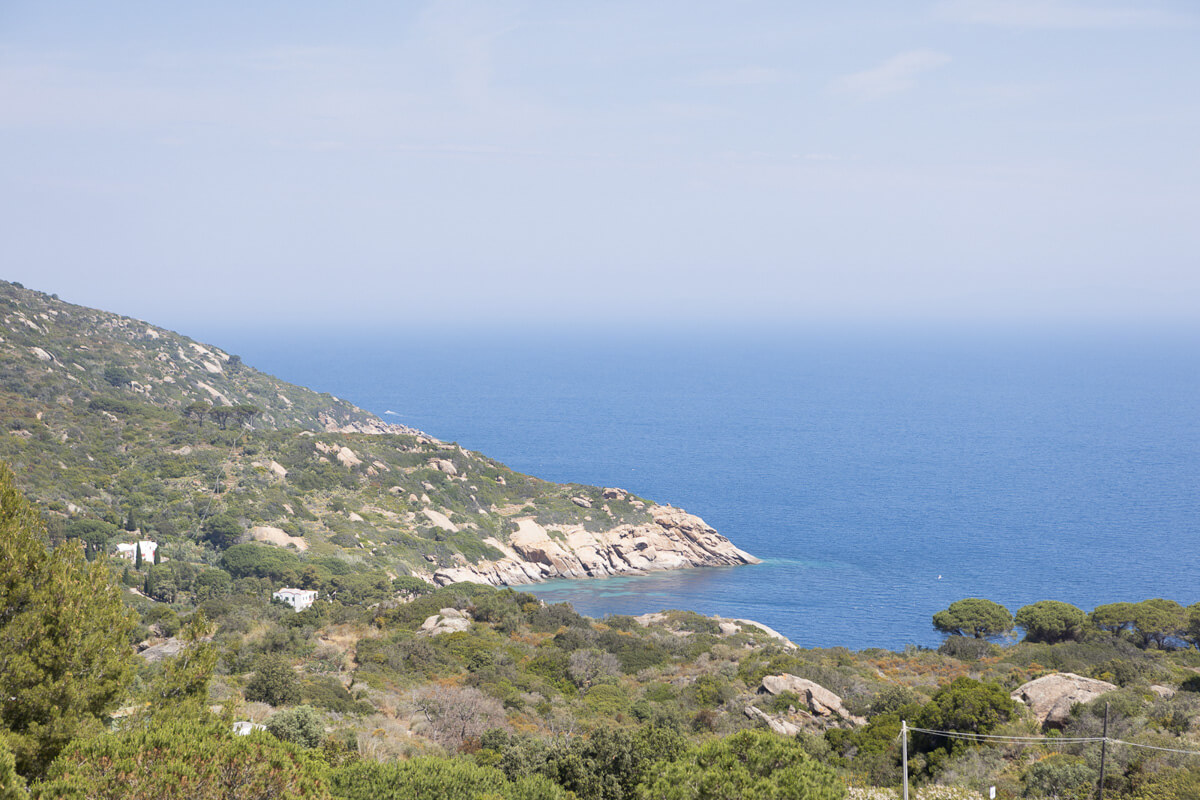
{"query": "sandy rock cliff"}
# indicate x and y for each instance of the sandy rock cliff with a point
(673, 539)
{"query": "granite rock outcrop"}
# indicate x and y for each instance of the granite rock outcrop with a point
(1050, 697)
(673, 539)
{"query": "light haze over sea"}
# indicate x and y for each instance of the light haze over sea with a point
(879, 476)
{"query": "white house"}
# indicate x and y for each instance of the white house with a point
(129, 550)
(298, 599)
(246, 727)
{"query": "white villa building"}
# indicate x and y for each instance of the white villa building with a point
(129, 550)
(298, 599)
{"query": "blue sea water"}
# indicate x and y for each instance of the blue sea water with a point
(879, 476)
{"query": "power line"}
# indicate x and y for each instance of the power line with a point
(1153, 747)
(1013, 739)
(985, 738)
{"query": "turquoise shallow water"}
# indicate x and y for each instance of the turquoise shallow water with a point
(880, 477)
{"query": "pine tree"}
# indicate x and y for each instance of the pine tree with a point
(11, 785)
(137, 556)
(64, 649)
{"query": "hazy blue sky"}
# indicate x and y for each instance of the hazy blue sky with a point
(441, 163)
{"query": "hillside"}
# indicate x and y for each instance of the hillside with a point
(130, 426)
(388, 687)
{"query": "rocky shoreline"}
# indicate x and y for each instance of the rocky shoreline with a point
(673, 539)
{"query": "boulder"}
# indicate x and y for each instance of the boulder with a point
(582, 502)
(448, 620)
(157, 652)
(1050, 697)
(780, 726)
(1165, 692)
(443, 465)
(820, 700)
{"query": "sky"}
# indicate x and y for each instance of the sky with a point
(449, 165)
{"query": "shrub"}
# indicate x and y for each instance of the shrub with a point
(274, 683)
(260, 560)
(967, 648)
(152, 762)
(330, 694)
(300, 725)
(746, 764)
(436, 779)
(1062, 776)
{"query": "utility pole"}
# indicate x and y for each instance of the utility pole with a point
(904, 755)
(1103, 751)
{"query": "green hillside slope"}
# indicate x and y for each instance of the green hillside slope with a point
(118, 424)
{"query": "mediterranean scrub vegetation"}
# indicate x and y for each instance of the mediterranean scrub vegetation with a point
(173, 673)
(467, 691)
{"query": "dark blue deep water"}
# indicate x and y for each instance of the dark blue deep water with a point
(880, 477)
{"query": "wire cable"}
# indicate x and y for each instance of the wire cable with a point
(992, 737)
(985, 738)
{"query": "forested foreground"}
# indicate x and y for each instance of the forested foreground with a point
(473, 692)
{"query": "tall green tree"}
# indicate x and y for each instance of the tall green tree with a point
(974, 616)
(197, 410)
(223, 530)
(1114, 617)
(1192, 634)
(12, 786)
(64, 649)
(1158, 620)
(1051, 621)
(181, 685)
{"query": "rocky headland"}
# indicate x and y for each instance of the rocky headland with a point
(125, 430)
(673, 539)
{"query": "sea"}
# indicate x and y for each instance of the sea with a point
(880, 475)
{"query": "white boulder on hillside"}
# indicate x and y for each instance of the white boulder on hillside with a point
(1050, 697)
(448, 620)
(820, 701)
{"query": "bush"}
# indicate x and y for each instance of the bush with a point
(222, 531)
(262, 561)
(746, 764)
(965, 705)
(436, 779)
(300, 725)
(274, 683)
(967, 648)
(1062, 776)
(330, 694)
(414, 587)
(152, 762)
